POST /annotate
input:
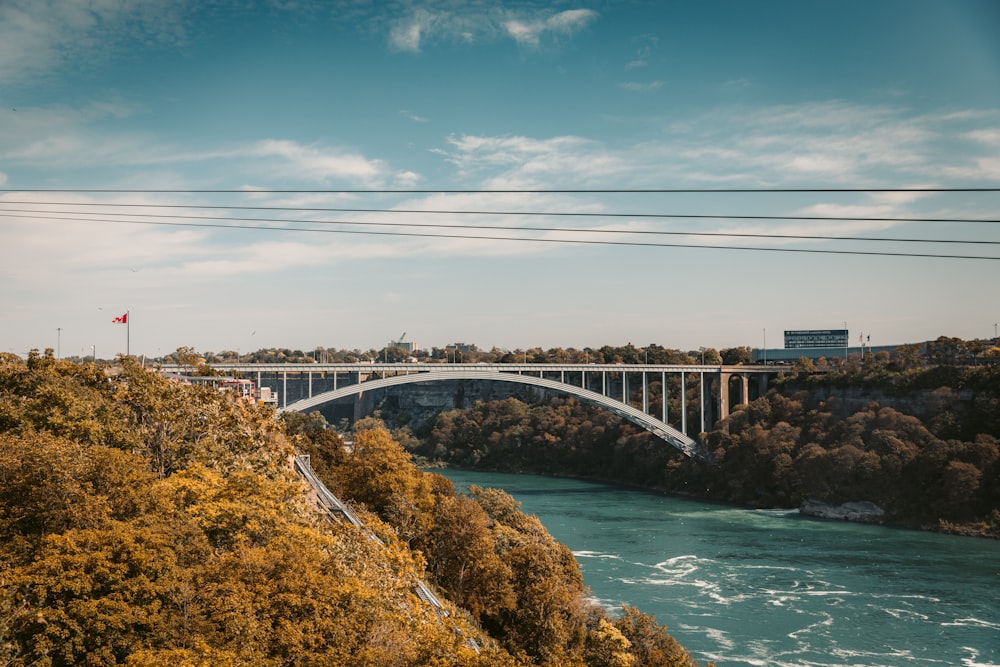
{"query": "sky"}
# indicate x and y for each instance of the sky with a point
(173, 160)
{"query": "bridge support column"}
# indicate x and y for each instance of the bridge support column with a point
(724, 394)
(645, 393)
(684, 410)
(761, 384)
(701, 388)
(724, 380)
(663, 395)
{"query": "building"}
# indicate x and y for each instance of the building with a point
(815, 344)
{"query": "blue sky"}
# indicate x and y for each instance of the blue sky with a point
(258, 96)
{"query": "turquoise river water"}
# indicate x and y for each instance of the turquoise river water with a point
(750, 587)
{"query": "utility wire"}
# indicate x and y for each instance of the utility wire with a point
(509, 213)
(575, 230)
(503, 191)
(544, 240)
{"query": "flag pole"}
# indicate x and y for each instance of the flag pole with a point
(128, 331)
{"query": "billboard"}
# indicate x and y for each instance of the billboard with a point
(797, 340)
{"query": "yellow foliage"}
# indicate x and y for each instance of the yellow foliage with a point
(148, 523)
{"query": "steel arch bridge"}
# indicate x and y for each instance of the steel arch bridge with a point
(638, 417)
(305, 386)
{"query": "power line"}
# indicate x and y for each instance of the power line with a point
(575, 230)
(546, 240)
(580, 214)
(502, 191)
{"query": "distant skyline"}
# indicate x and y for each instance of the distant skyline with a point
(376, 108)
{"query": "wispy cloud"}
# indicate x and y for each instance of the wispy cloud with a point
(642, 86)
(41, 36)
(416, 118)
(741, 83)
(485, 23)
(314, 163)
(986, 136)
(827, 144)
(67, 138)
(530, 32)
(647, 44)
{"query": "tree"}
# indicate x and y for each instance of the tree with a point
(737, 355)
(804, 365)
(650, 643)
(464, 561)
(378, 469)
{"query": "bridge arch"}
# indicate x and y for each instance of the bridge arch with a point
(655, 426)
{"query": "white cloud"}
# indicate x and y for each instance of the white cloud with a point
(316, 163)
(441, 21)
(407, 179)
(988, 136)
(484, 23)
(828, 145)
(406, 35)
(529, 32)
(642, 87)
(65, 138)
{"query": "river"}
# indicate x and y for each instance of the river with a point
(751, 587)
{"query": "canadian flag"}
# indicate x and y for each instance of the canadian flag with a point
(121, 320)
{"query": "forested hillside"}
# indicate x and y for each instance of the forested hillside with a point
(145, 522)
(802, 440)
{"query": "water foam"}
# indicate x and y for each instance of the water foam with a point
(596, 554)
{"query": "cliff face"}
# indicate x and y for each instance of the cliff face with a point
(922, 403)
(416, 404)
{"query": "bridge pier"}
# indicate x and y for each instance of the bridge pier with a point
(724, 380)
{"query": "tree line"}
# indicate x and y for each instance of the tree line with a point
(810, 437)
(944, 350)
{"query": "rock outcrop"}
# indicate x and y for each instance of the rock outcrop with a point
(861, 511)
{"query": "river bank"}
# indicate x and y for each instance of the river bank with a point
(864, 512)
